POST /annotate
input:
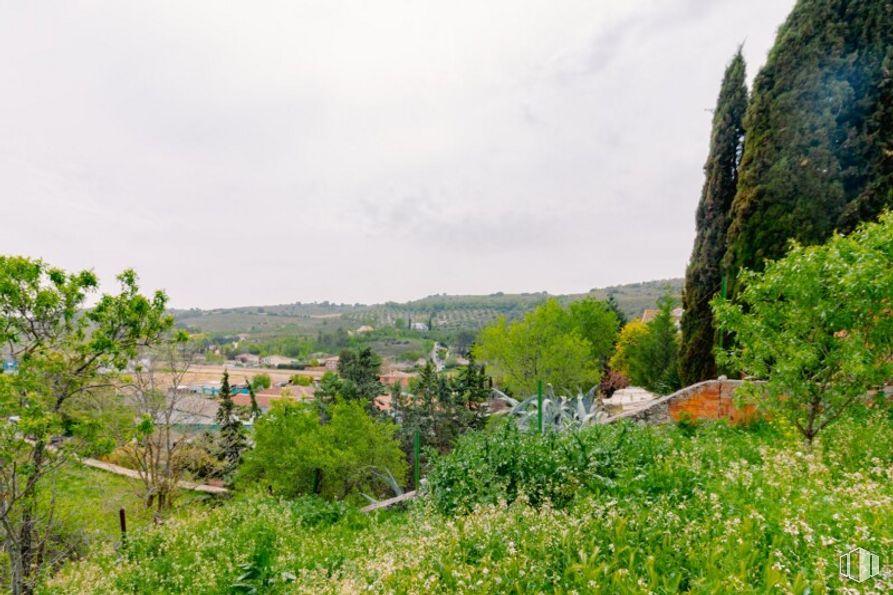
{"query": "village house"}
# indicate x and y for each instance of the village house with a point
(650, 314)
(275, 361)
(394, 376)
(248, 359)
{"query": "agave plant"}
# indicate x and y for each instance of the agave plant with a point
(386, 477)
(559, 412)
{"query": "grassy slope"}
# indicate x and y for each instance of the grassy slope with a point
(89, 500)
(726, 510)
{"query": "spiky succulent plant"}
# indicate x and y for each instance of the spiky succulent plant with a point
(559, 412)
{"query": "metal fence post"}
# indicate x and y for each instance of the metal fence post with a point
(539, 405)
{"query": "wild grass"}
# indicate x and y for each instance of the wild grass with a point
(703, 509)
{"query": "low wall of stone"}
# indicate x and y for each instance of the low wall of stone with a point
(711, 399)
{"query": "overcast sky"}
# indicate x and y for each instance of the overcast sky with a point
(258, 153)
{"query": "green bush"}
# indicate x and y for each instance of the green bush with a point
(295, 453)
(301, 380)
(724, 510)
(504, 463)
(261, 381)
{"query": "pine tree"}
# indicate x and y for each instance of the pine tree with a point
(703, 279)
(255, 409)
(615, 308)
(813, 142)
(232, 434)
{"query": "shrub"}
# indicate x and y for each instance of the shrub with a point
(504, 462)
(816, 325)
(301, 380)
(611, 382)
(296, 453)
(261, 382)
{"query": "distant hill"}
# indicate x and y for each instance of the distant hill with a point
(453, 312)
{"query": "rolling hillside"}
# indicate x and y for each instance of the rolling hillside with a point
(450, 312)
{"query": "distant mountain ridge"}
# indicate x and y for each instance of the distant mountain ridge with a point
(446, 311)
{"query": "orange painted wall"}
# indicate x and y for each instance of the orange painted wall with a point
(715, 400)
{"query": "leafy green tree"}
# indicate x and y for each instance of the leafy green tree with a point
(816, 327)
(329, 388)
(261, 381)
(703, 279)
(442, 407)
(360, 372)
(67, 351)
(648, 354)
(296, 453)
(630, 335)
(545, 345)
(596, 322)
(617, 310)
(817, 131)
(232, 433)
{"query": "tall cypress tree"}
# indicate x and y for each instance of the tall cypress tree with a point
(232, 434)
(878, 193)
(813, 143)
(703, 279)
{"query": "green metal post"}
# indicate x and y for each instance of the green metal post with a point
(417, 449)
(539, 405)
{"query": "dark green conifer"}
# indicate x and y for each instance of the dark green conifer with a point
(703, 279)
(232, 433)
(815, 131)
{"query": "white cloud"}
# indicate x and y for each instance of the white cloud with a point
(318, 148)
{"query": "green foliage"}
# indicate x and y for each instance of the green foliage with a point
(598, 323)
(441, 407)
(261, 381)
(725, 509)
(329, 388)
(648, 354)
(254, 408)
(703, 278)
(505, 463)
(231, 441)
(818, 128)
(878, 192)
(301, 380)
(67, 352)
(360, 371)
(559, 412)
(548, 344)
(816, 326)
(296, 453)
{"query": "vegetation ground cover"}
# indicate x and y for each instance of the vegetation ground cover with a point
(700, 508)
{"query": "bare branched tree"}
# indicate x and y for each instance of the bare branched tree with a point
(157, 395)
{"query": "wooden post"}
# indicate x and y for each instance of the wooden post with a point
(417, 449)
(122, 519)
(539, 405)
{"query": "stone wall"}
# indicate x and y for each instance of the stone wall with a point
(711, 399)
